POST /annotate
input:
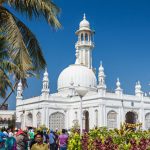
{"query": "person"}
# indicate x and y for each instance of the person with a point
(2, 140)
(45, 137)
(63, 140)
(10, 143)
(2, 144)
(39, 145)
(21, 140)
(52, 140)
(15, 132)
(31, 134)
(56, 139)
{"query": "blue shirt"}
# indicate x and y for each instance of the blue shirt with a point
(51, 138)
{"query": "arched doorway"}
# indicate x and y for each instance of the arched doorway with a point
(29, 120)
(57, 120)
(112, 119)
(131, 117)
(147, 121)
(86, 120)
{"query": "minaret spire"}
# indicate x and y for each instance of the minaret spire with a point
(138, 91)
(101, 78)
(45, 89)
(118, 89)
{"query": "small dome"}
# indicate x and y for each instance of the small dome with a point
(118, 83)
(84, 23)
(79, 75)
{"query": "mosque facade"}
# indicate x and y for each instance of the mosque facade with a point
(81, 97)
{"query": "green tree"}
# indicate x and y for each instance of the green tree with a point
(20, 52)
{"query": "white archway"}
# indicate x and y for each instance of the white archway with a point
(57, 120)
(112, 119)
(29, 122)
(86, 120)
(131, 117)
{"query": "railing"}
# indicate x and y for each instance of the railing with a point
(84, 43)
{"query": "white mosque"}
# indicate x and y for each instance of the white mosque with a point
(80, 98)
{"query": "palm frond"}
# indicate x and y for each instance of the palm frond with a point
(4, 84)
(38, 8)
(16, 46)
(3, 52)
(33, 47)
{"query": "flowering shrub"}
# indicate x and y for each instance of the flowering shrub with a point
(104, 139)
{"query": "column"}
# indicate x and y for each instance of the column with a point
(34, 119)
(47, 117)
(43, 116)
(104, 115)
(91, 118)
(100, 116)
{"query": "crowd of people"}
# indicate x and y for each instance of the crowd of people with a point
(31, 140)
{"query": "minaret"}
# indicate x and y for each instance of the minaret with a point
(19, 91)
(138, 91)
(84, 45)
(45, 89)
(101, 78)
(118, 89)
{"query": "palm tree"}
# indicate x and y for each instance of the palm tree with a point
(20, 52)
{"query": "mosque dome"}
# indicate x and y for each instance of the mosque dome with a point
(77, 75)
(84, 24)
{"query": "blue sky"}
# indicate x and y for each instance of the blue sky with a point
(122, 42)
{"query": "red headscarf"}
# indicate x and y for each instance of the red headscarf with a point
(19, 132)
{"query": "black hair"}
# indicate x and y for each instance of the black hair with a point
(63, 130)
(39, 133)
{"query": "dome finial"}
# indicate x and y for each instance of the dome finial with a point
(101, 69)
(118, 83)
(101, 63)
(84, 16)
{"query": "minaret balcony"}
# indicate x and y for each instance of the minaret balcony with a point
(84, 43)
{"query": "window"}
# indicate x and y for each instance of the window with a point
(82, 37)
(112, 120)
(86, 37)
(57, 120)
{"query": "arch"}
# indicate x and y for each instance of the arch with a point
(86, 120)
(112, 119)
(86, 37)
(131, 117)
(29, 120)
(39, 118)
(57, 120)
(82, 39)
(147, 121)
